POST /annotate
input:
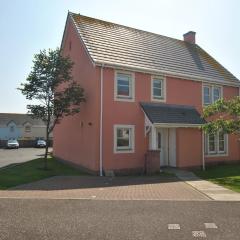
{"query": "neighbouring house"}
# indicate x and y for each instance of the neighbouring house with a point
(21, 127)
(144, 98)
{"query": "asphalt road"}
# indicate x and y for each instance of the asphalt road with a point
(10, 156)
(94, 219)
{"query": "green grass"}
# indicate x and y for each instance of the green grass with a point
(225, 175)
(33, 171)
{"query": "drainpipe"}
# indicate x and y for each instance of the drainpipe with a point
(203, 154)
(101, 124)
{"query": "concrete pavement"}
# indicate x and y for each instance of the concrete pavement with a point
(13, 156)
(211, 190)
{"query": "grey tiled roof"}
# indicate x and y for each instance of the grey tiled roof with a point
(19, 119)
(115, 44)
(168, 113)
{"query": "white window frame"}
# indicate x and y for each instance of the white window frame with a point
(131, 139)
(217, 152)
(131, 97)
(211, 87)
(163, 79)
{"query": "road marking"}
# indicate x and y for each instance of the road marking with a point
(210, 225)
(199, 234)
(173, 226)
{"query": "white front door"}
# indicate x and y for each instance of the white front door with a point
(166, 143)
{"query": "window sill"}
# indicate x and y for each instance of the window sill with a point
(124, 99)
(216, 155)
(158, 100)
(124, 151)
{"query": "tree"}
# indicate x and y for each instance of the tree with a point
(50, 83)
(223, 115)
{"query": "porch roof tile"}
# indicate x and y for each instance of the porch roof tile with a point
(168, 113)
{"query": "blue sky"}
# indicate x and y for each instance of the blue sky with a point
(28, 26)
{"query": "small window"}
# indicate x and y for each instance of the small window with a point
(207, 95)
(123, 138)
(216, 144)
(12, 129)
(27, 129)
(124, 86)
(158, 89)
(157, 86)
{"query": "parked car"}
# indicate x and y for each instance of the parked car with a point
(12, 143)
(41, 143)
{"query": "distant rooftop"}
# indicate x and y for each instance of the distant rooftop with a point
(118, 45)
(19, 119)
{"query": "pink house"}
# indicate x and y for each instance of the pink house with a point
(144, 97)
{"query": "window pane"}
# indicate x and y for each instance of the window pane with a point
(157, 83)
(123, 137)
(157, 88)
(207, 96)
(157, 92)
(123, 90)
(216, 93)
(124, 85)
(211, 143)
(221, 144)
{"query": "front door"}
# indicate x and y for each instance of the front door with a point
(166, 143)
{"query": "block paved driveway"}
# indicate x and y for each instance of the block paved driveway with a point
(105, 188)
(11, 156)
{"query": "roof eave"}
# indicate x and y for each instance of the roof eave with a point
(167, 73)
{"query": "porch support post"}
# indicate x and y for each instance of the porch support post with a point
(153, 138)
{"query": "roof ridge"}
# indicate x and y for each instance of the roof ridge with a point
(128, 27)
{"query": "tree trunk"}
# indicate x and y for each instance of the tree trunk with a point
(46, 150)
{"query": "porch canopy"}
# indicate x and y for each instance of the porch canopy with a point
(172, 115)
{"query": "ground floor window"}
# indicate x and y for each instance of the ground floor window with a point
(123, 138)
(216, 144)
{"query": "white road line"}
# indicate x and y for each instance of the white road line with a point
(210, 225)
(173, 226)
(199, 234)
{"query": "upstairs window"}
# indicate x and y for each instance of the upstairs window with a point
(124, 86)
(211, 94)
(158, 88)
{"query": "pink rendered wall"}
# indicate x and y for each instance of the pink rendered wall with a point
(76, 139)
(130, 113)
(189, 147)
(179, 91)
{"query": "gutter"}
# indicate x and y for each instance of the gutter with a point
(167, 73)
(101, 124)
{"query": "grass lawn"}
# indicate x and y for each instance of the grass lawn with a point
(225, 175)
(33, 171)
